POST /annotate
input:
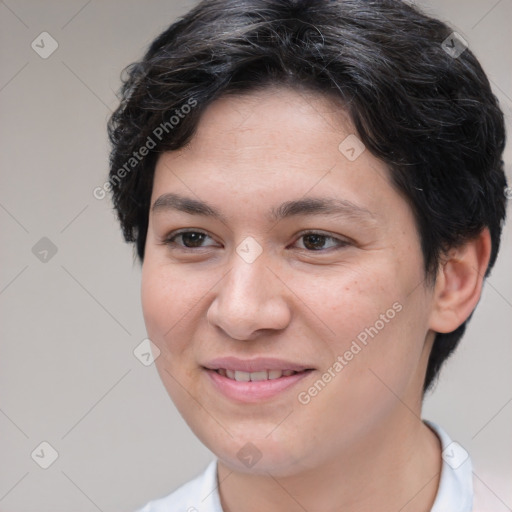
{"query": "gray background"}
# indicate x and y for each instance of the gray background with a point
(69, 324)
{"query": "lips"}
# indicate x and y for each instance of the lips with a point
(254, 380)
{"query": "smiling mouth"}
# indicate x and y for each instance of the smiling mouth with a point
(255, 386)
(241, 376)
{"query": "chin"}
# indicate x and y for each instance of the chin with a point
(257, 452)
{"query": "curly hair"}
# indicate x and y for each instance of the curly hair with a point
(425, 110)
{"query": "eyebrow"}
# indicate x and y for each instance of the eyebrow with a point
(299, 207)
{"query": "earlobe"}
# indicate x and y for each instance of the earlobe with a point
(459, 283)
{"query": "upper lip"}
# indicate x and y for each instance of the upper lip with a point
(257, 364)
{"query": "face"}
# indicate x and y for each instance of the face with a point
(283, 284)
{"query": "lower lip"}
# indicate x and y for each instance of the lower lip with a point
(254, 391)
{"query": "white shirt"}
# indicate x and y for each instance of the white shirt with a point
(455, 492)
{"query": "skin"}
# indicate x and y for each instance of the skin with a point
(359, 444)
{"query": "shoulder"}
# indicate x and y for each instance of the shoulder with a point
(465, 486)
(197, 495)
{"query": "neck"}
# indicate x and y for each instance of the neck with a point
(395, 467)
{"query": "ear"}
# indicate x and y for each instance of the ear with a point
(459, 283)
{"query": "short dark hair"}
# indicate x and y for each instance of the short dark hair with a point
(428, 113)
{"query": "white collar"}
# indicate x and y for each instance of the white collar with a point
(455, 492)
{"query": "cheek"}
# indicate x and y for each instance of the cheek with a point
(372, 320)
(378, 334)
(348, 301)
(168, 300)
(168, 303)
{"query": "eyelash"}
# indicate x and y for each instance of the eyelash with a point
(170, 240)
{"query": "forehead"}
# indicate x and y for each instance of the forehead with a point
(275, 129)
(276, 144)
(276, 118)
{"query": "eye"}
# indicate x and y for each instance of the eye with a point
(311, 241)
(188, 239)
(314, 241)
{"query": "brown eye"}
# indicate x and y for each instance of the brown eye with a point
(188, 240)
(192, 239)
(319, 242)
(314, 242)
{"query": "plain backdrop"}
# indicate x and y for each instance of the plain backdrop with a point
(69, 287)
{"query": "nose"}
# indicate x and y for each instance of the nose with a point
(250, 300)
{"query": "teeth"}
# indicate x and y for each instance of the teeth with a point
(242, 376)
(254, 376)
